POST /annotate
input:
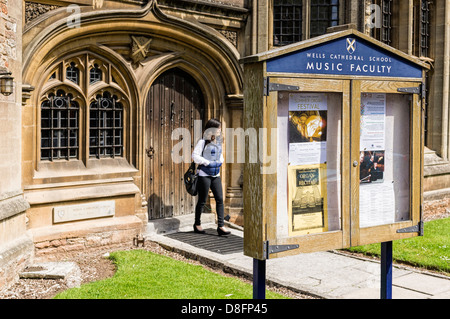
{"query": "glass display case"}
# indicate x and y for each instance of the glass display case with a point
(347, 114)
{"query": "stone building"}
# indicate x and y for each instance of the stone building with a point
(16, 244)
(100, 85)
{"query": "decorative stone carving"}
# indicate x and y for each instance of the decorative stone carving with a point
(140, 47)
(34, 10)
(26, 93)
(230, 35)
(97, 4)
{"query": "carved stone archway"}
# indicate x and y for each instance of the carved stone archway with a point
(141, 45)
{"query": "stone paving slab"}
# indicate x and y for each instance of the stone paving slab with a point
(68, 271)
(330, 275)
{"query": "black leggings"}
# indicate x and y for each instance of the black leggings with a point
(204, 183)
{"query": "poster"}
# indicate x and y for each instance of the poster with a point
(373, 121)
(372, 138)
(377, 204)
(376, 194)
(307, 132)
(307, 199)
(371, 167)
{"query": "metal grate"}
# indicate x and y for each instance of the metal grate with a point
(211, 241)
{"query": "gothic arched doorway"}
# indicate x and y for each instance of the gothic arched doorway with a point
(173, 101)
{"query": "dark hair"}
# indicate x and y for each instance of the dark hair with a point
(212, 123)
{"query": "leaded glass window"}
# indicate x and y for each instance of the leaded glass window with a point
(424, 28)
(73, 74)
(383, 31)
(59, 127)
(386, 10)
(95, 74)
(74, 116)
(287, 21)
(106, 127)
(289, 16)
(324, 14)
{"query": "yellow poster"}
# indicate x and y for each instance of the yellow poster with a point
(307, 199)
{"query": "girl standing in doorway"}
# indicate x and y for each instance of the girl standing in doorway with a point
(208, 156)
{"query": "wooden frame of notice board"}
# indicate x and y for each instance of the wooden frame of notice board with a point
(343, 117)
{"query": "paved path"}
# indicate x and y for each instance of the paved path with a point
(330, 275)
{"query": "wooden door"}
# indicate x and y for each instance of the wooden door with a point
(173, 101)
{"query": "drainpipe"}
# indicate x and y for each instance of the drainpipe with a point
(445, 90)
(410, 26)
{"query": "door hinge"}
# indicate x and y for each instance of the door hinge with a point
(421, 90)
(413, 229)
(412, 90)
(273, 249)
(270, 87)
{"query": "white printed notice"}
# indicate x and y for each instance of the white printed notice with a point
(376, 204)
(373, 115)
(376, 195)
(307, 128)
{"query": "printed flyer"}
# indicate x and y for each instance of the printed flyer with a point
(307, 128)
(372, 137)
(376, 194)
(307, 199)
(373, 118)
(376, 204)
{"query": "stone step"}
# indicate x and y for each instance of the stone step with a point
(65, 270)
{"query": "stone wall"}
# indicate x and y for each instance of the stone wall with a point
(64, 238)
(16, 246)
(10, 106)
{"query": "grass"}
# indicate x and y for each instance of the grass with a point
(145, 275)
(432, 251)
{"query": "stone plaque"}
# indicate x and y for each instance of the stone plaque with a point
(63, 214)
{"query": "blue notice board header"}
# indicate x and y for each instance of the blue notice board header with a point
(349, 55)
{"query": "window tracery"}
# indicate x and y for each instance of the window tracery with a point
(59, 126)
(69, 99)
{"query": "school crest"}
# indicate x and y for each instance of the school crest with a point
(351, 45)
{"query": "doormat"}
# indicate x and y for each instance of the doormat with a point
(211, 241)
